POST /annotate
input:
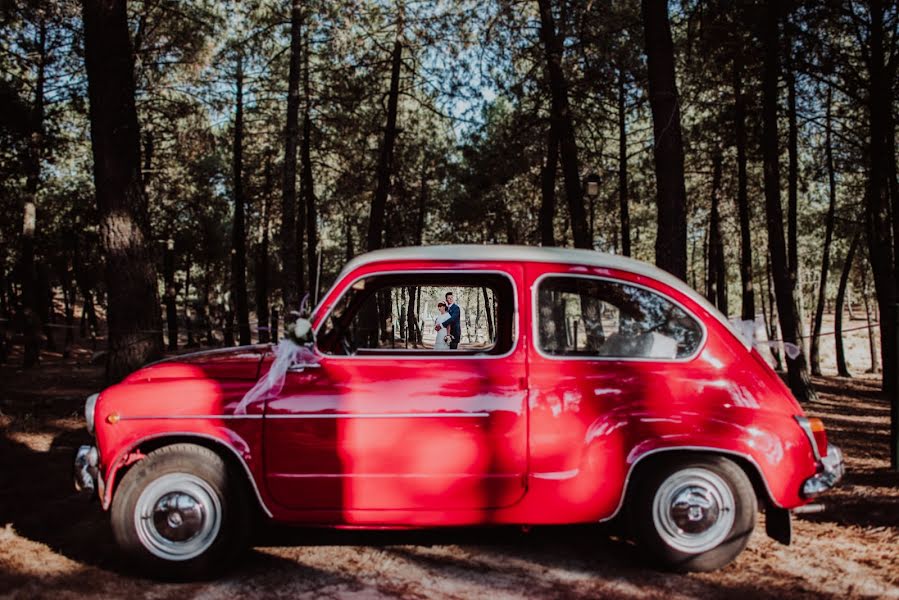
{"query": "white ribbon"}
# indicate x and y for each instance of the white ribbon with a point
(747, 329)
(287, 353)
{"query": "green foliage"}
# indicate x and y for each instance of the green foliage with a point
(473, 119)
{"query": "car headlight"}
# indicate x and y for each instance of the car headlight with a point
(89, 407)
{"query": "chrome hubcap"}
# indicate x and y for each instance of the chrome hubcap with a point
(177, 516)
(693, 510)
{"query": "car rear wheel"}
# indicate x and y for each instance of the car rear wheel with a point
(694, 514)
(181, 512)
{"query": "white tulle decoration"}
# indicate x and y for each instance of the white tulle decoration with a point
(288, 354)
(747, 330)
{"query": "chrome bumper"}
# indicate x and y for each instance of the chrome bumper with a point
(86, 473)
(830, 472)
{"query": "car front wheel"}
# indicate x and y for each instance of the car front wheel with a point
(181, 512)
(694, 514)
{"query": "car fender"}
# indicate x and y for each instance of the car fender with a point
(773, 451)
(224, 440)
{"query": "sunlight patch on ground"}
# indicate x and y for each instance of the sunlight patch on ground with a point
(36, 442)
(22, 556)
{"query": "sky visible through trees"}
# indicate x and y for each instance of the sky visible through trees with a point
(746, 146)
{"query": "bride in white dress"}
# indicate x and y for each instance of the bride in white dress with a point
(442, 317)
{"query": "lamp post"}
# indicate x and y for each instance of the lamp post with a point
(591, 189)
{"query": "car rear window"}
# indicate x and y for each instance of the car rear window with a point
(604, 318)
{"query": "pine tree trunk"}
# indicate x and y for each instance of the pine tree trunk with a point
(291, 276)
(716, 276)
(239, 230)
(872, 336)
(787, 309)
(133, 300)
(4, 311)
(564, 124)
(880, 208)
(205, 305)
(487, 310)
(423, 193)
(671, 194)
(348, 233)
(747, 312)
(547, 213)
(47, 307)
(171, 308)
(385, 160)
(418, 323)
(4, 307)
(228, 325)
(792, 170)
(32, 303)
(68, 294)
(842, 369)
(814, 354)
(188, 317)
(411, 317)
(771, 317)
(623, 208)
(308, 183)
(262, 265)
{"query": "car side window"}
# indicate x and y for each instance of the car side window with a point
(422, 313)
(593, 317)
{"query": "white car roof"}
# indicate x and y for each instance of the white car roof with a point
(510, 253)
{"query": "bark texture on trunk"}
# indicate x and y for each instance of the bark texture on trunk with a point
(716, 278)
(239, 229)
(623, 208)
(291, 277)
(385, 160)
(263, 313)
(792, 171)
(489, 314)
(32, 307)
(133, 300)
(787, 308)
(880, 206)
(171, 308)
(671, 191)
(814, 353)
(308, 183)
(869, 319)
(771, 313)
(423, 193)
(842, 369)
(188, 316)
(548, 188)
(564, 123)
(748, 293)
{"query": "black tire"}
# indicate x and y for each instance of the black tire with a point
(219, 515)
(716, 541)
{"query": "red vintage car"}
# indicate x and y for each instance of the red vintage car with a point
(583, 387)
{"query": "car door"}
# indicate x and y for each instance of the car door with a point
(396, 430)
(606, 352)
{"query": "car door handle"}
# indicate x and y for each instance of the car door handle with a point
(302, 367)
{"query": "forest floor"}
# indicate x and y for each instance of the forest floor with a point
(56, 544)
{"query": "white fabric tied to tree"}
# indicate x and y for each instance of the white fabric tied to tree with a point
(747, 329)
(292, 351)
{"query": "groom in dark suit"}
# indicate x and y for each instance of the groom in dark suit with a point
(454, 323)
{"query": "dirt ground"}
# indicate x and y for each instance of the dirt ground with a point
(55, 544)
